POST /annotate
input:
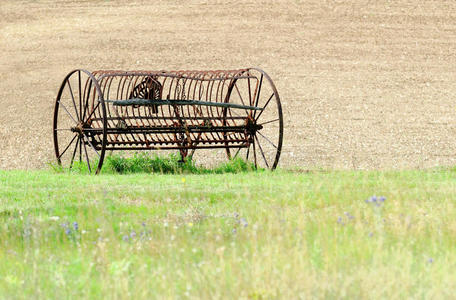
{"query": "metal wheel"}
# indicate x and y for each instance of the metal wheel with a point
(264, 127)
(80, 138)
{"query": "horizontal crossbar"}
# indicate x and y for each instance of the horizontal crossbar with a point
(168, 129)
(178, 142)
(173, 147)
(147, 102)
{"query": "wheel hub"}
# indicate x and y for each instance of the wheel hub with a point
(79, 128)
(252, 127)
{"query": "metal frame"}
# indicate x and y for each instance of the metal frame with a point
(181, 110)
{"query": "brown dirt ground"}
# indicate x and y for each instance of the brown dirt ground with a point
(364, 84)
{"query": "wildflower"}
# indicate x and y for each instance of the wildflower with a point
(243, 222)
(430, 260)
(66, 228)
(183, 179)
(133, 234)
(190, 224)
(378, 201)
(349, 216)
(75, 226)
(340, 221)
(125, 238)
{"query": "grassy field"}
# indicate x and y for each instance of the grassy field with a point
(257, 235)
(365, 85)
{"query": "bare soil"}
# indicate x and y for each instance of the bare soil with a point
(364, 84)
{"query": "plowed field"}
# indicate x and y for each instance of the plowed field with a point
(364, 84)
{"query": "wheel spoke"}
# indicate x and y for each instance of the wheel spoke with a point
(270, 121)
(74, 153)
(87, 157)
(86, 105)
(93, 110)
(264, 107)
(80, 150)
(254, 154)
(267, 140)
(80, 98)
(239, 93)
(247, 156)
(250, 92)
(90, 144)
(262, 153)
(68, 146)
(258, 95)
(237, 152)
(64, 107)
(62, 129)
(72, 98)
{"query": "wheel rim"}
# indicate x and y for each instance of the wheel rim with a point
(265, 126)
(78, 101)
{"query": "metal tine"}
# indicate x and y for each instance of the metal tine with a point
(131, 86)
(108, 84)
(210, 99)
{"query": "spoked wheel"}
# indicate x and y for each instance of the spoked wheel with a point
(264, 127)
(80, 122)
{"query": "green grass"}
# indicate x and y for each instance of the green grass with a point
(142, 162)
(257, 235)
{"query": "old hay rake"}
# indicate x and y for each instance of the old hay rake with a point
(235, 110)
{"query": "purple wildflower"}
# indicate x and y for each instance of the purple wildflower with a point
(340, 221)
(75, 226)
(243, 222)
(378, 201)
(66, 228)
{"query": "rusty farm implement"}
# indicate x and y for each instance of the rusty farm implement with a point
(237, 111)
